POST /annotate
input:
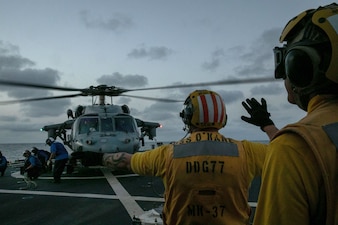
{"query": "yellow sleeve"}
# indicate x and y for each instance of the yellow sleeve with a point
(255, 154)
(152, 162)
(290, 183)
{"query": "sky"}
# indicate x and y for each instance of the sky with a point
(139, 44)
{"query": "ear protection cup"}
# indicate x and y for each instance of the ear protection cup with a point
(301, 65)
(186, 114)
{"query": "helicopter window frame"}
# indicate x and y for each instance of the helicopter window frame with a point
(92, 126)
(127, 125)
(106, 124)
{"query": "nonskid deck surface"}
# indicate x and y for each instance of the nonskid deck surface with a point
(87, 196)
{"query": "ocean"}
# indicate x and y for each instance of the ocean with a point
(14, 152)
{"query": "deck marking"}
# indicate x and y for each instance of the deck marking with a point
(60, 194)
(126, 199)
(77, 195)
(87, 195)
(17, 175)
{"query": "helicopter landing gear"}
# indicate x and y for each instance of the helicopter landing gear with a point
(69, 169)
(70, 166)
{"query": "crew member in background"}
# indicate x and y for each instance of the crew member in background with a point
(299, 179)
(3, 164)
(43, 156)
(60, 155)
(206, 175)
(31, 169)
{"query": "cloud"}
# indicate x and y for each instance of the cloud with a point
(258, 60)
(118, 22)
(255, 60)
(269, 89)
(22, 127)
(46, 108)
(152, 53)
(14, 67)
(10, 58)
(123, 100)
(34, 76)
(8, 118)
(160, 111)
(231, 96)
(215, 60)
(120, 80)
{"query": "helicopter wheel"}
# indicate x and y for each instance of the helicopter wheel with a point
(70, 166)
(70, 169)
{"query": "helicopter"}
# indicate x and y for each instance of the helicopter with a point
(102, 127)
(106, 127)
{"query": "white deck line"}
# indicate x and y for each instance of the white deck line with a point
(17, 175)
(58, 194)
(77, 195)
(126, 199)
(87, 195)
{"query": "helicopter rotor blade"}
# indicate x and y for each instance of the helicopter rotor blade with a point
(214, 83)
(152, 99)
(115, 91)
(42, 86)
(39, 99)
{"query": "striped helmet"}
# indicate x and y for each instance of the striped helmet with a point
(204, 109)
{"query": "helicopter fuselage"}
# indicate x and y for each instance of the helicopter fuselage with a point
(106, 129)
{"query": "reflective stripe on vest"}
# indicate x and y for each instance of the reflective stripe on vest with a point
(205, 148)
(332, 131)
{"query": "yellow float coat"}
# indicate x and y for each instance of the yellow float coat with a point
(299, 181)
(206, 178)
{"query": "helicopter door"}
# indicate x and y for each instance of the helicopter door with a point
(88, 125)
(124, 124)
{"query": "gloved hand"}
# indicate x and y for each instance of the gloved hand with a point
(258, 112)
(89, 158)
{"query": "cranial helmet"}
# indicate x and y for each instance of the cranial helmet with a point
(34, 150)
(309, 59)
(204, 109)
(26, 153)
(50, 140)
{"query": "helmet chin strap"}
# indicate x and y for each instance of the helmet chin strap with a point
(301, 100)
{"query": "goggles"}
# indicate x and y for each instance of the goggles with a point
(279, 55)
(281, 52)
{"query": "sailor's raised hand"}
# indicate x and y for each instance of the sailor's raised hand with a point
(258, 112)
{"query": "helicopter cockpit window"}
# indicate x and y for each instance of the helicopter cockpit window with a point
(124, 124)
(107, 125)
(88, 125)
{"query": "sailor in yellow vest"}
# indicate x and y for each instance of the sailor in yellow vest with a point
(299, 180)
(206, 175)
